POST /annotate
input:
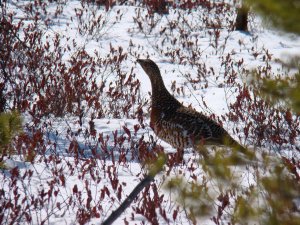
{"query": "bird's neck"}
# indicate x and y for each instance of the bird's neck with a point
(161, 98)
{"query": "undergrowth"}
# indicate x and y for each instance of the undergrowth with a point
(64, 91)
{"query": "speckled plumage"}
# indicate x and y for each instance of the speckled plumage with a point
(178, 125)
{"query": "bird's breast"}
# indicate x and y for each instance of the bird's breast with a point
(172, 133)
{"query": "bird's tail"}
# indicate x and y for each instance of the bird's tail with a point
(238, 148)
(239, 153)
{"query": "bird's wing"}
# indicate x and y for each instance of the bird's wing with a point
(196, 124)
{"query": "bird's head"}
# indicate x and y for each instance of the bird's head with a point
(150, 68)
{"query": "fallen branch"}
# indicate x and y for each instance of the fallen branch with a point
(154, 170)
(115, 214)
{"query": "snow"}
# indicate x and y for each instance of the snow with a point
(129, 172)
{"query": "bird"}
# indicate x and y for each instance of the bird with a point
(180, 126)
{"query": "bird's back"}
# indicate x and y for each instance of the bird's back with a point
(184, 127)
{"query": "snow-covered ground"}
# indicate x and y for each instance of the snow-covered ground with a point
(85, 176)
